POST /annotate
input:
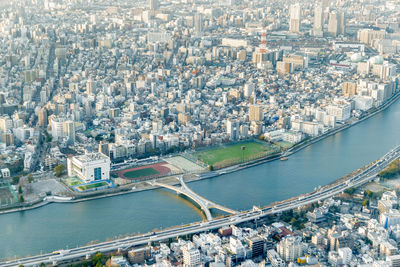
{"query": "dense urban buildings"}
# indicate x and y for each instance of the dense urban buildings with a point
(140, 79)
(93, 91)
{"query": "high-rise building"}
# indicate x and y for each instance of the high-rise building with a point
(5, 123)
(232, 2)
(349, 89)
(57, 127)
(394, 260)
(42, 117)
(198, 23)
(318, 21)
(43, 96)
(336, 25)
(256, 245)
(88, 109)
(138, 255)
(325, 3)
(342, 23)
(346, 255)
(333, 25)
(232, 129)
(69, 130)
(103, 148)
(248, 89)
(295, 18)
(367, 36)
(154, 5)
(8, 138)
(191, 256)
(274, 258)
(2, 98)
(90, 87)
(290, 248)
(255, 113)
(89, 167)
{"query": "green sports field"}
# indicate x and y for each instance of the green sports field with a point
(140, 173)
(91, 186)
(72, 181)
(232, 154)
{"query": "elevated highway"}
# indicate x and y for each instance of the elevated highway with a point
(361, 178)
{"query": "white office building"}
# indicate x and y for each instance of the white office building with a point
(89, 167)
(341, 112)
(191, 256)
(346, 254)
(57, 127)
(290, 248)
(295, 18)
(275, 259)
(392, 217)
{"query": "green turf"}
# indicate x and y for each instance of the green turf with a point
(72, 181)
(91, 186)
(233, 153)
(140, 173)
(284, 144)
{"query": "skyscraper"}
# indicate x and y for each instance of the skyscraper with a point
(290, 248)
(295, 18)
(318, 21)
(342, 24)
(57, 129)
(232, 129)
(69, 130)
(336, 24)
(198, 23)
(153, 5)
(333, 25)
(90, 87)
(42, 117)
(255, 113)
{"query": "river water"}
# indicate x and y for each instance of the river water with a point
(58, 226)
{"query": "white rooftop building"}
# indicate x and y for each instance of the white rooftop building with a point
(191, 256)
(89, 167)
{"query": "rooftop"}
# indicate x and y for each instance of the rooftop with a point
(91, 157)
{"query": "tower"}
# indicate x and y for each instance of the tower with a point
(90, 87)
(153, 5)
(342, 24)
(198, 23)
(295, 18)
(42, 117)
(69, 130)
(255, 113)
(263, 44)
(232, 129)
(318, 21)
(336, 24)
(333, 25)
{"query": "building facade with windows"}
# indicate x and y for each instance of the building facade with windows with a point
(89, 167)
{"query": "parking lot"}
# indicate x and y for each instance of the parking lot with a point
(33, 191)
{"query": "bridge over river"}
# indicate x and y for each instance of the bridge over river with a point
(204, 203)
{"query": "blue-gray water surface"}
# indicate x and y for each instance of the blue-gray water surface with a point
(58, 226)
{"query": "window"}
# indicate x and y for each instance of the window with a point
(97, 173)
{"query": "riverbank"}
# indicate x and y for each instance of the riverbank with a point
(143, 186)
(109, 218)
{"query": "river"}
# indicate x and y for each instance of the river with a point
(58, 226)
